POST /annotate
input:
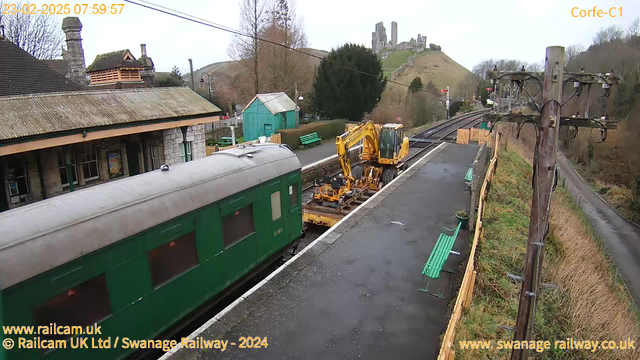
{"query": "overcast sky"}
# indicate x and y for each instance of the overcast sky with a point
(469, 31)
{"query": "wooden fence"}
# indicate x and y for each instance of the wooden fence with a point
(473, 134)
(273, 139)
(465, 294)
(462, 137)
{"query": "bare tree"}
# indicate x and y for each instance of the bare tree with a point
(245, 49)
(534, 66)
(286, 67)
(572, 52)
(39, 35)
(610, 34)
(483, 68)
(634, 28)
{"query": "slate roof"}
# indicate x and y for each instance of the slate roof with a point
(113, 60)
(59, 66)
(21, 73)
(276, 102)
(39, 114)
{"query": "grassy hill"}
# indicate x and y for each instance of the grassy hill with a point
(429, 65)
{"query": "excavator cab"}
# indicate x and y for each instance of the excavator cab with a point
(391, 140)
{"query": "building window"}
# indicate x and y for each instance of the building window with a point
(90, 163)
(182, 146)
(293, 195)
(82, 305)
(173, 258)
(237, 226)
(276, 211)
(19, 181)
(63, 169)
(154, 152)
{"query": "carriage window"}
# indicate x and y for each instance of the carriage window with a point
(293, 195)
(173, 258)
(237, 225)
(82, 305)
(276, 211)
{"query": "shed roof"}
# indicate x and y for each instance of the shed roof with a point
(276, 102)
(21, 73)
(39, 114)
(114, 60)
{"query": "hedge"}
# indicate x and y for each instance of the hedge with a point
(326, 129)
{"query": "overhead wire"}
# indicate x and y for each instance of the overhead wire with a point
(172, 12)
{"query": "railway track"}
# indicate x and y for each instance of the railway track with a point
(436, 134)
(431, 137)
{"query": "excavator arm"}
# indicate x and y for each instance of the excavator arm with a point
(366, 131)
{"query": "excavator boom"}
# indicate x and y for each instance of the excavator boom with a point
(344, 142)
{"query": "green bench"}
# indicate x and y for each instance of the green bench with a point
(439, 255)
(310, 139)
(469, 175)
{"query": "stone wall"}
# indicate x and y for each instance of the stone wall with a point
(173, 142)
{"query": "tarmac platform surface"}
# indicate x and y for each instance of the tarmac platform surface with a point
(354, 292)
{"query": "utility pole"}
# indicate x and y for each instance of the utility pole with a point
(541, 203)
(193, 83)
(448, 102)
(295, 85)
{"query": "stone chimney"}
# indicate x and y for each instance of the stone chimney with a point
(149, 71)
(74, 54)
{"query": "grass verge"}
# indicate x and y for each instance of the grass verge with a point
(587, 305)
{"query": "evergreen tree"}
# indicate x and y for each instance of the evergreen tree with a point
(416, 85)
(175, 72)
(341, 92)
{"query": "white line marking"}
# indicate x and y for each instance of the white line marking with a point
(218, 316)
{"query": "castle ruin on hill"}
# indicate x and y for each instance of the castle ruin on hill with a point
(379, 41)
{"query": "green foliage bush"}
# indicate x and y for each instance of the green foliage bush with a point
(455, 107)
(340, 92)
(326, 129)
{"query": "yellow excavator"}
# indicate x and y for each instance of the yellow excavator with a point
(383, 153)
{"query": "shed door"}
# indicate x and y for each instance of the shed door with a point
(268, 130)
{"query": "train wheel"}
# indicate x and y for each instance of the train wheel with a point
(357, 172)
(388, 175)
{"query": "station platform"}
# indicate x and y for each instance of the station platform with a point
(354, 292)
(316, 153)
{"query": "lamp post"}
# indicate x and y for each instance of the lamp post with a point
(208, 82)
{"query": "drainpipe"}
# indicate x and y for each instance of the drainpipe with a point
(67, 160)
(42, 186)
(184, 142)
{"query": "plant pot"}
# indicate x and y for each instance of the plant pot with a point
(463, 221)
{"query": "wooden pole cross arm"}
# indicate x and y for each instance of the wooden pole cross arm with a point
(564, 120)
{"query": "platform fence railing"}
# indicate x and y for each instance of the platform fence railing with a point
(465, 294)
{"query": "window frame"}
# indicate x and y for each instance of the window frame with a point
(24, 165)
(294, 190)
(189, 152)
(235, 212)
(99, 279)
(276, 195)
(64, 166)
(190, 235)
(92, 152)
(155, 158)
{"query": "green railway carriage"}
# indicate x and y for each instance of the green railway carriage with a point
(137, 255)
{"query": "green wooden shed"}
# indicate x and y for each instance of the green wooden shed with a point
(268, 113)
